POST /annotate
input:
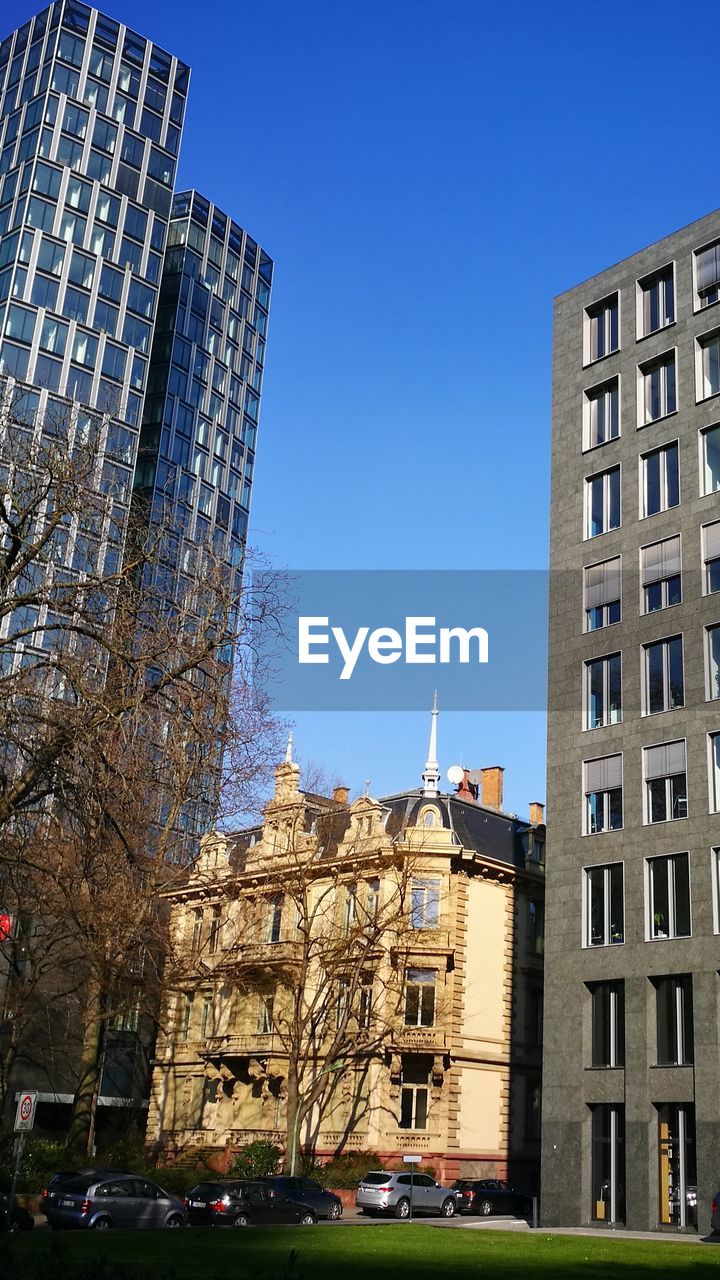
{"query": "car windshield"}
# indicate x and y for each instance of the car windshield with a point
(208, 1190)
(376, 1179)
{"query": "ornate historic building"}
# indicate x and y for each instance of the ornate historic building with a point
(378, 963)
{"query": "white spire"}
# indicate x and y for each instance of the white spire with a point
(431, 774)
(288, 750)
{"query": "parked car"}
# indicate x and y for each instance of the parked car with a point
(236, 1203)
(114, 1200)
(489, 1195)
(715, 1213)
(381, 1192)
(19, 1220)
(324, 1204)
(66, 1176)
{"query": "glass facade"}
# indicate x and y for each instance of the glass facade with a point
(133, 321)
(199, 428)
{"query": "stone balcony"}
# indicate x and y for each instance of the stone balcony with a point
(255, 1044)
(420, 1040)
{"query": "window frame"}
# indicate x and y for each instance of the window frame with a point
(605, 659)
(606, 794)
(644, 284)
(706, 559)
(645, 675)
(590, 480)
(645, 369)
(604, 307)
(652, 931)
(663, 450)
(702, 342)
(664, 581)
(667, 778)
(703, 433)
(615, 1037)
(698, 305)
(593, 395)
(587, 609)
(608, 940)
(709, 695)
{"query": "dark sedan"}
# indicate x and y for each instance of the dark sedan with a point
(19, 1220)
(118, 1200)
(245, 1204)
(490, 1195)
(324, 1204)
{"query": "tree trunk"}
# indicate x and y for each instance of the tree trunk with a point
(292, 1123)
(80, 1133)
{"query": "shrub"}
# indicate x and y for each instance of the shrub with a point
(259, 1159)
(41, 1158)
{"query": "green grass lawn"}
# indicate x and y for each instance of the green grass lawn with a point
(384, 1252)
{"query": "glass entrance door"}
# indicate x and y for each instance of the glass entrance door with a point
(608, 1163)
(676, 1164)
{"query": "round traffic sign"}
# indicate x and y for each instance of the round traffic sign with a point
(26, 1106)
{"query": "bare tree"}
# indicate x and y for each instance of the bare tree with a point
(302, 974)
(116, 740)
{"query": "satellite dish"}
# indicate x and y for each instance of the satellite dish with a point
(455, 774)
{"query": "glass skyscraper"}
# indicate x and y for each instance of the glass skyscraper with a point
(125, 311)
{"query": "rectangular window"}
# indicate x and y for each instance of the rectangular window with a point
(710, 460)
(601, 594)
(604, 905)
(711, 557)
(608, 1163)
(602, 502)
(350, 907)
(659, 480)
(424, 904)
(603, 794)
(707, 368)
(657, 302)
(676, 1164)
(186, 1015)
(707, 274)
(273, 929)
(366, 1001)
(265, 1015)
(664, 683)
(665, 782)
(674, 1010)
(414, 1093)
(206, 1020)
(601, 415)
(661, 577)
(712, 649)
(420, 997)
(668, 896)
(536, 927)
(714, 746)
(608, 1023)
(601, 329)
(657, 389)
(603, 691)
(214, 936)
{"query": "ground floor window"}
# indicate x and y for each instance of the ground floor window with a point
(677, 1168)
(608, 1163)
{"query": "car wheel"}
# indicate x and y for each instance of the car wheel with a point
(447, 1208)
(335, 1212)
(101, 1224)
(308, 1220)
(242, 1220)
(485, 1208)
(174, 1220)
(402, 1208)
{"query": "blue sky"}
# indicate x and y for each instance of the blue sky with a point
(427, 176)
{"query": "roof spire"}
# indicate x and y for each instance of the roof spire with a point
(431, 773)
(288, 750)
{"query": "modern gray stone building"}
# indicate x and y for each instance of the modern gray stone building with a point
(631, 1119)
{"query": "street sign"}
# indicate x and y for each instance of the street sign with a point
(25, 1114)
(412, 1159)
(6, 925)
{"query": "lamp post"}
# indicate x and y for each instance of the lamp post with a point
(332, 1066)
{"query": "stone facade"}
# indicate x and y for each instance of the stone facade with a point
(630, 1130)
(450, 1069)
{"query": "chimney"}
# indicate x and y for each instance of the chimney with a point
(466, 790)
(537, 813)
(340, 795)
(492, 786)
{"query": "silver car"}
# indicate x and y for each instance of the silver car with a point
(114, 1200)
(381, 1192)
